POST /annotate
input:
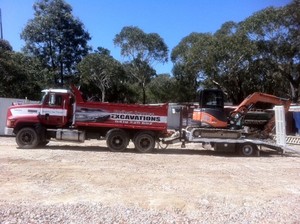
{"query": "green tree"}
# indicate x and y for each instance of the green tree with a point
(142, 72)
(56, 38)
(190, 57)
(20, 76)
(142, 50)
(7, 69)
(228, 59)
(99, 69)
(232, 55)
(162, 89)
(5, 46)
(258, 54)
(276, 34)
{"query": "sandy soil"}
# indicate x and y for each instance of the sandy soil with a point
(200, 185)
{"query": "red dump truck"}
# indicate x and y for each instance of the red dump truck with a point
(65, 115)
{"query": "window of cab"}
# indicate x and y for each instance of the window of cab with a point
(55, 99)
(52, 99)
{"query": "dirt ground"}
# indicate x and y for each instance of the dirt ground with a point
(203, 186)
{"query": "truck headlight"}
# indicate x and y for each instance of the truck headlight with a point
(10, 123)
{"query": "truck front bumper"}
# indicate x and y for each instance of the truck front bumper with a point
(8, 131)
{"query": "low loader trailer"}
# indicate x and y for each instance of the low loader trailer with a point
(65, 115)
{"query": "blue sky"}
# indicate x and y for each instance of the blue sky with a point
(171, 19)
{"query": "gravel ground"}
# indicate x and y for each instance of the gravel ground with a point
(85, 183)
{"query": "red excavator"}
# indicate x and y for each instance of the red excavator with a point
(211, 113)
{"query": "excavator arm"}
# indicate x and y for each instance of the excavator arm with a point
(237, 115)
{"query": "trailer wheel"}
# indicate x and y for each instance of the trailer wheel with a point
(117, 140)
(247, 149)
(144, 142)
(27, 138)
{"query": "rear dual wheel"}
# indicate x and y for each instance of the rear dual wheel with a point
(247, 149)
(144, 141)
(117, 140)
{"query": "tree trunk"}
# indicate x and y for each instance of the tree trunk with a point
(294, 92)
(103, 95)
(61, 74)
(294, 81)
(144, 93)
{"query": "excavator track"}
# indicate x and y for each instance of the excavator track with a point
(199, 132)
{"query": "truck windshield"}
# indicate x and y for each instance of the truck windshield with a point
(43, 97)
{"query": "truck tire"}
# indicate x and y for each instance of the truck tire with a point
(144, 142)
(27, 138)
(117, 140)
(247, 149)
(43, 143)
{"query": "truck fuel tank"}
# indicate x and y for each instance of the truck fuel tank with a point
(70, 135)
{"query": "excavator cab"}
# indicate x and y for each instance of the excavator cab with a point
(211, 109)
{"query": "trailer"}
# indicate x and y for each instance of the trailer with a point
(242, 141)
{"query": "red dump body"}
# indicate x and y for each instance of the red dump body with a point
(113, 115)
(128, 116)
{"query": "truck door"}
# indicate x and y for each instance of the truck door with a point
(54, 111)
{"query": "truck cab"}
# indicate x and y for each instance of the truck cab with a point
(56, 108)
(29, 122)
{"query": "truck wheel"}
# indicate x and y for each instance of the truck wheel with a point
(43, 143)
(144, 142)
(247, 149)
(27, 138)
(117, 140)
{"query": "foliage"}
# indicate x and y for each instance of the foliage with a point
(233, 56)
(56, 38)
(21, 76)
(162, 88)
(276, 34)
(99, 69)
(136, 44)
(5, 46)
(142, 50)
(189, 57)
(258, 54)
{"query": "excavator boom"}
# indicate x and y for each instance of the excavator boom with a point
(261, 97)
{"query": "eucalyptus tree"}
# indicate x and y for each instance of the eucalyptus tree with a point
(100, 69)
(142, 50)
(56, 37)
(242, 57)
(8, 74)
(5, 46)
(20, 75)
(276, 34)
(232, 55)
(162, 89)
(190, 68)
